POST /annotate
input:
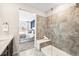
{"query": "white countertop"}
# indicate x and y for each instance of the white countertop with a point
(4, 41)
(42, 40)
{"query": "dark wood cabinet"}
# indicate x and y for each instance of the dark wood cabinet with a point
(9, 49)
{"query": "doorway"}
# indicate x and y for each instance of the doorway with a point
(26, 30)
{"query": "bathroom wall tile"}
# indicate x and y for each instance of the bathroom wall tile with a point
(65, 30)
(41, 26)
(62, 28)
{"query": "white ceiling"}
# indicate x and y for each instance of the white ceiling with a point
(44, 7)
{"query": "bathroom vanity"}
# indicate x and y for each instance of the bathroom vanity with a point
(6, 45)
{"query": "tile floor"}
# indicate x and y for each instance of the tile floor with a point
(26, 45)
(31, 52)
(27, 49)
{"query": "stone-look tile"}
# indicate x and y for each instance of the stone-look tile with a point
(31, 52)
(65, 30)
(26, 45)
(62, 28)
(41, 27)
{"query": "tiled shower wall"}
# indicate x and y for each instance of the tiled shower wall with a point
(62, 28)
(65, 30)
(41, 27)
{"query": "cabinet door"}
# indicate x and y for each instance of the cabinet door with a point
(5, 53)
(10, 48)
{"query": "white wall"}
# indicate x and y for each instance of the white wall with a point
(60, 8)
(9, 13)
